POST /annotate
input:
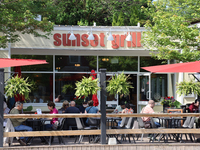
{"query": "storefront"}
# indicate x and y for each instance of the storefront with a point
(70, 60)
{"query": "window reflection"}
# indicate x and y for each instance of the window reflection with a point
(75, 63)
(42, 91)
(118, 63)
(41, 67)
(68, 80)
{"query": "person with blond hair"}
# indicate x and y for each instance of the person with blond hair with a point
(64, 107)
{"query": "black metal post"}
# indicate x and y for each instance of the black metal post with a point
(1, 105)
(103, 105)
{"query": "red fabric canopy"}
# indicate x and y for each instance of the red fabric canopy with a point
(94, 96)
(180, 67)
(7, 62)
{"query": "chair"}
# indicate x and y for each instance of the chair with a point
(71, 123)
(153, 125)
(80, 126)
(189, 123)
(141, 126)
(60, 127)
(9, 128)
(125, 124)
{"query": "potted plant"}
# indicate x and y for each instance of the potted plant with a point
(67, 88)
(17, 85)
(119, 85)
(188, 87)
(86, 87)
(169, 102)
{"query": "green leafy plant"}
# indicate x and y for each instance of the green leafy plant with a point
(79, 100)
(188, 87)
(67, 87)
(29, 108)
(86, 87)
(119, 85)
(170, 101)
(17, 85)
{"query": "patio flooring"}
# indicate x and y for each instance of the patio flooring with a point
(85, 145)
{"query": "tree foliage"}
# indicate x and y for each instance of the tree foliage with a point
(85, 12)
(20, 16)
(171, 35)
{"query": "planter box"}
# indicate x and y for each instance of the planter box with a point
(165, 107)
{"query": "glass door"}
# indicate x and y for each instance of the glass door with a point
(111, 100)
(144, 90)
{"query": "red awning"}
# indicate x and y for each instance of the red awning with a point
(7, 62)
(173, 68)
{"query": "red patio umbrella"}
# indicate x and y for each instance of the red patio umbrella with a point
(94, 96)
(7, 62)
(174, 68)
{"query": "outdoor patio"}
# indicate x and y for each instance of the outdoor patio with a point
(140, 145)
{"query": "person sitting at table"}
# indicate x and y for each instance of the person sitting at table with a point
(91, 109)
(83, 107)
(17, 122)
(54, 121)
(120, 107)
(70, 122)
(149, 110)
(127, 110)
(194, 107)
(72, 108)
(64, 107)
(6, 111)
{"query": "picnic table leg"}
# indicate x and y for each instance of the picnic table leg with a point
(1, 105)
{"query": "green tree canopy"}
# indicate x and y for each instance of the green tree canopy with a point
(170, 34)
(20, 16)
(85, 12)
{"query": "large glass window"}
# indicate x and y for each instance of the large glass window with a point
(42, 88)
(118, 63)
(68, 80)
(75, 63)
(41, 67)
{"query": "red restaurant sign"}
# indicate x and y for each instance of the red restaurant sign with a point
(81, 40)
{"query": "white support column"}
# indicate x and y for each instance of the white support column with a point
(54, 76)
(180, 79)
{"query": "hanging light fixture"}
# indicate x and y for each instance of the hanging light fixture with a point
(91, 36)
(110, 37)
(72, 36)
(129, 37)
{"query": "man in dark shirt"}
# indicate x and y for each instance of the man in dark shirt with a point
(71, 122)
(72, 108)
(194, 107)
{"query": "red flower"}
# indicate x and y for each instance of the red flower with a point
(172, 97)
(168, 97)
